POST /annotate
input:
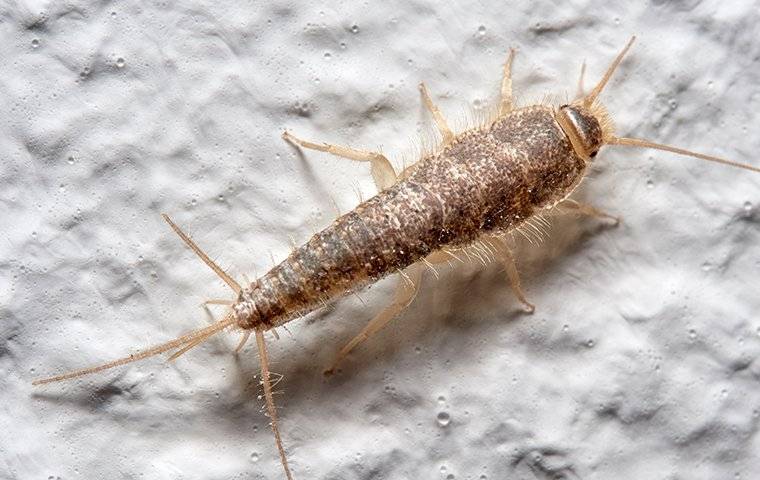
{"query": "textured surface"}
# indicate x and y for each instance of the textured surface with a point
(641, 360)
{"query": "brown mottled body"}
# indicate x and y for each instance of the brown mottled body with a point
(487, 179)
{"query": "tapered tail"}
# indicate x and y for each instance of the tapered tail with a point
(189, 339)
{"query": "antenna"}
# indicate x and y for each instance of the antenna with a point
(610, 70)
(638, 142)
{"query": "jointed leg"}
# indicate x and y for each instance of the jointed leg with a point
(406, 290)
(589, 210)
(508, 260)
(243, 339)
(407, 172)
(506, 104)
(443, 127)
(382, 170)
(218, 301)
(581, 91)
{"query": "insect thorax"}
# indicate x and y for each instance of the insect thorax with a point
(522, 163)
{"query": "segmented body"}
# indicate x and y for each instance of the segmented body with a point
(486, 180)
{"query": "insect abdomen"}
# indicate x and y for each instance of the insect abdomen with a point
(488, 179)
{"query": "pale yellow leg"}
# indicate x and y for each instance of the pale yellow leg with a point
(243, 339)
(440, 121)
(382, 170)
(581, 91)
(506, 104)
(408, 171)
(436, 258)
(218, 301)
(508, 260)
(440, 257)
(407, 289)
(589, 210)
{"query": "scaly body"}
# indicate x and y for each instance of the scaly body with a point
(486, 180)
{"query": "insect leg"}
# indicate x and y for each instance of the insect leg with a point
(508, 260)
(586, 209)
(382, 170)
(243, 339)
(581, 91)
(440, 256)
(218, 301)
(406, 290)
(407, 172)
(505, 106)
(440, 121)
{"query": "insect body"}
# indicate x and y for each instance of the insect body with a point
(485, 181)
(481, 184)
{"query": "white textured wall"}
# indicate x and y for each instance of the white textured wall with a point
(642, 360)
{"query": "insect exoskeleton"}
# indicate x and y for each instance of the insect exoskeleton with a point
(584, 128)
(459, 201)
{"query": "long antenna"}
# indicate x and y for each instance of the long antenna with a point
(638, 142)
(610, 70)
